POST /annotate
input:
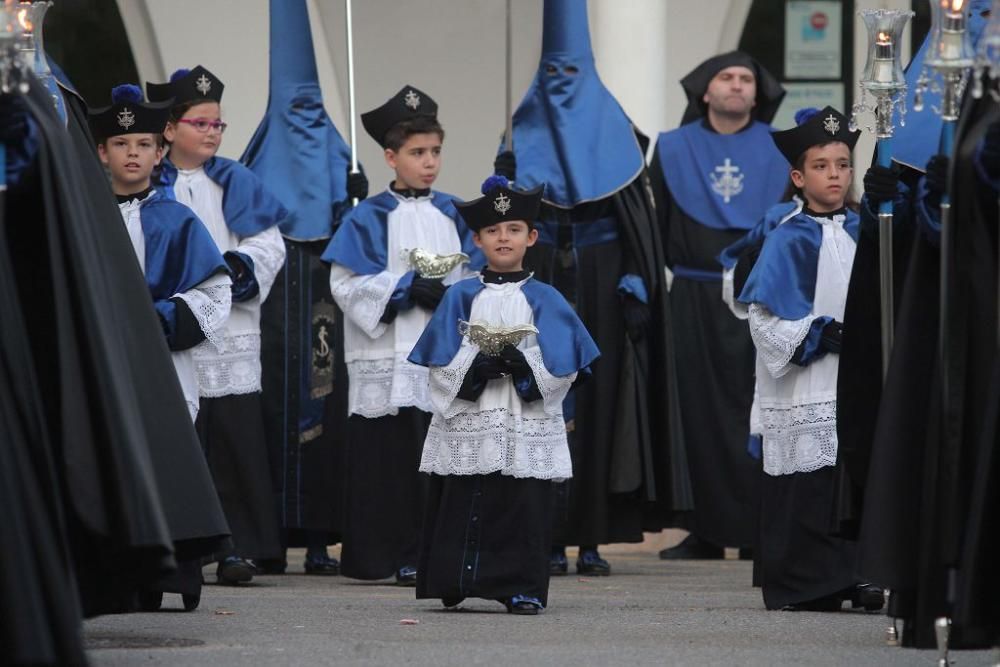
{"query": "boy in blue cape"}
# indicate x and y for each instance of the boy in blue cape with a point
(795, 296)
(392, 258)
(503, 351)
(242, 217)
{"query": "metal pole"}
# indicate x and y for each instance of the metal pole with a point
(509, 133)
(350, 91)
(884, 133)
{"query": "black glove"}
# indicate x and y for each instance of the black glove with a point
(357, 185)
(427, 292)
(880, 184)
(517, 365)
(831, 336)
(245, 285)
(505, 165)
(937, 176)
(483, 369)
(13, 118)
(637, 317)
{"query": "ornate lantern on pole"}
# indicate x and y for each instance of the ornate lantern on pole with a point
(30, 16)
(883, 91)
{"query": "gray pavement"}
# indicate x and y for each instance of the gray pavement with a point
(650, 612)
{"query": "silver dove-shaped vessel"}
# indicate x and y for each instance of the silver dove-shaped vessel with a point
(430, 265)
(492, 339)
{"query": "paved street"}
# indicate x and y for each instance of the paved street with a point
(650, 612)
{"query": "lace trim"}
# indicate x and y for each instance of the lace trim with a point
(480, 443)
(776, 339)
(267, 250)
(379, 387)
(363, 298)
(445, 381)
(233, 369)
(553, 389)
(801, 438)
(210, 305)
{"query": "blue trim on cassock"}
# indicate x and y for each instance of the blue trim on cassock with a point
(361, 242)
(249, 208)
(730, 255)
(585, 234)
(565, 343)
(632, 285)
(180, 252)
(812, 345)
(296, 149)
(689, 157)
(784, 278)
(18, 156)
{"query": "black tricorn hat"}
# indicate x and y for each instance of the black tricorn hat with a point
(769, 90)
(128, 114)
(815, 128)
(407, 104)
(186, 86)
(500, 203)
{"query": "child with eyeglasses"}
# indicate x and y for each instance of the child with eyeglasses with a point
(242, 218)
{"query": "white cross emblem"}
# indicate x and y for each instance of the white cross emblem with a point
(729, 183)
(203, 84)
(126, 118)
(412, 100)
(831, 124)
(501, 204)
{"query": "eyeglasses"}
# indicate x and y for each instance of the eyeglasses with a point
(203, 125)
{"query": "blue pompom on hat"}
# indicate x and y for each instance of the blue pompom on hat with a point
(804, 114)
(127, 92)
(495, 181)
(179, 74)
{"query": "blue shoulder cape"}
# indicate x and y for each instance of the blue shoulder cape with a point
(296, 149)
(565, 343)
(755, 237)
(784, 278)
(723, 181)
(361, 241)
(247, 206)
(180, 252)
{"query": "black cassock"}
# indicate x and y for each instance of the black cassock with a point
(304, 382)
(629, 464)
(136, 486)
(717, 358)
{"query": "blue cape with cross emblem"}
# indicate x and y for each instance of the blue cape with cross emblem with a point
(723, 181)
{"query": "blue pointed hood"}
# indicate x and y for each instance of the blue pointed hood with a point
(915, 143)
(296, 150)
(570, 133)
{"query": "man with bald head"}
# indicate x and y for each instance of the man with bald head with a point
(713, 178)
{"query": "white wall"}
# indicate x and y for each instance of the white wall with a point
(452, 49)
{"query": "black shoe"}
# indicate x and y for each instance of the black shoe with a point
(693, 548)
(523, 605)
(406, 576)
(234, 570)
(451, 603)
(271, 565)
(191, 602)
(150, 600)
(590, 562)
(869, 596)
(828, 603)
(558, 565)
(322, 564)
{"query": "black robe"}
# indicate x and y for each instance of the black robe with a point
(715, 374)
(304, 382)
(136, 482)
(629, 463)
(923, 468)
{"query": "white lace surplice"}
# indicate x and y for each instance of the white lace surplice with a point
(797, 406)
(381, 379)
(230, 363)
(499, 432)
(209, 302)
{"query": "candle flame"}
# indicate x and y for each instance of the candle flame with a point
(956, 5)
(883, 38)
(22, 18)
